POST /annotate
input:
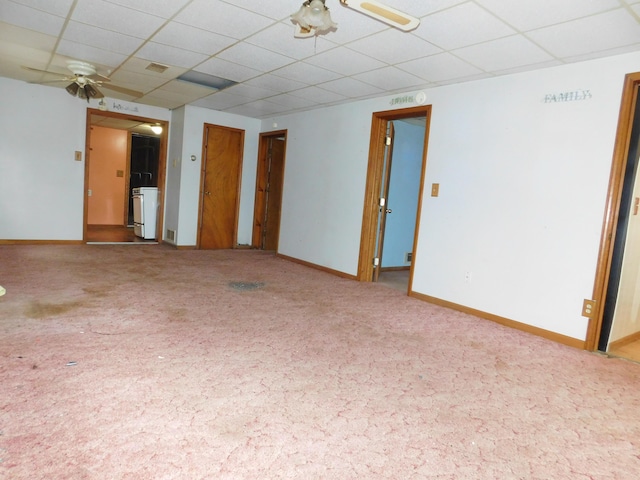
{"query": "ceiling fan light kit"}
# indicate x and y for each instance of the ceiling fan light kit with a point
(312, 18)
(84, 81)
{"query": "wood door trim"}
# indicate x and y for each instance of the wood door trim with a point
(612, 208)
(374, 177)
(162, 164)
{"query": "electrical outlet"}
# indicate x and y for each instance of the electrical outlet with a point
(588, 308)
(467, 277)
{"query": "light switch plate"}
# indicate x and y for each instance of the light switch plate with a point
(78, 156)
(435, 189)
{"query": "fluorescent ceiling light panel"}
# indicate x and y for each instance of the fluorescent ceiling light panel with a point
(206, 80)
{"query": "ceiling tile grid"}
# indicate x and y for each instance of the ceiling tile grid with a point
(252, 42)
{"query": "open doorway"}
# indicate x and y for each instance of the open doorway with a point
(123, 152)
(269, 185)
(397, 161)
(616, 327)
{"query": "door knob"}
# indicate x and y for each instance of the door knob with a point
(388, 210)
(207, 193)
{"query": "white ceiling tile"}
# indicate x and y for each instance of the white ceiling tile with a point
(461, 26)
(504, 53)
(468, 78)
(319, 95)
(220, 101)
(526, 68)
(350, 87)
(291, 101)
(261, 107)
(439, 68)
(421, 8)
(394, 46)
(222, 18)
(306, 73)
(345, 61)
(229, 70)
(255, 57)
(30, 18)
(635, 47)
(279, 38)
(16, 35)
(160, 101)
(273, 82)
(530, 14)
(192, 38)
(276, 10)
(98, 37)
(587, 35)
(139, 66)
(136, 81)
(116, 18)
(58, 7)
(13, 56)
(156, 52)
(187, 88)
(87, 53)
(390, 78)
(250, 91)
(352, 25)
(159, 8)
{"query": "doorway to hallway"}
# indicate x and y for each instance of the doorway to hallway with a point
(397, 161)
(114, 166)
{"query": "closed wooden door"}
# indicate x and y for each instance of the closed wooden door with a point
(269, 185)
(222, 166)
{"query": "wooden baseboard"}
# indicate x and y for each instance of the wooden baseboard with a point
(634, 337)
(41, 242)
(540, 332)
(317, 267)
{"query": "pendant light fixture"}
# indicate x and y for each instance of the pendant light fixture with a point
(312, 19)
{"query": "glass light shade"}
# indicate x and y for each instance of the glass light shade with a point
(157, 129)
(313, 15)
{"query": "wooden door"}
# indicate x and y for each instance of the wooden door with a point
(106, 179)
(221, 169)
(269, 184)
(384, 200)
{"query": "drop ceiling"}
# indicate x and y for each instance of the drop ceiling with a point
(251, 42)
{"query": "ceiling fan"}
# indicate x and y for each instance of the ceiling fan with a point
(84, 81)
(313, 17)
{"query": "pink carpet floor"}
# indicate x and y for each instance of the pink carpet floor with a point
(144, 362)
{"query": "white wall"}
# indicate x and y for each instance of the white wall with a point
(186, 200)
(41, 185)
(522, 190)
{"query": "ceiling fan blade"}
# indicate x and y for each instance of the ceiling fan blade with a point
(44, 71)
(126, 91)
(385, 14)
(99, 78)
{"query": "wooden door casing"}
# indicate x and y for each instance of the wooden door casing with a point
(220, 192)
